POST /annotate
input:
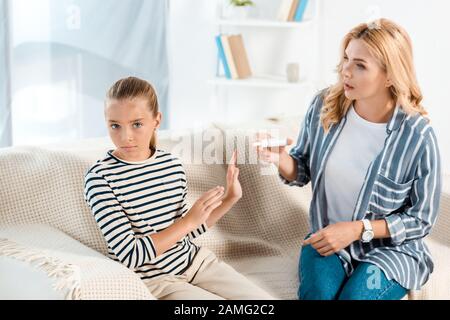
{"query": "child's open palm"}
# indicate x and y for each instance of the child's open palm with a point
(234, 190)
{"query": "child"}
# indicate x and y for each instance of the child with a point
(137, 194)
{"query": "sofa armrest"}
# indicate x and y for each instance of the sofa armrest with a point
(441, 229)
(438, 285)
(74, 271)
(45, 276)
(15, 275)
(105, 279)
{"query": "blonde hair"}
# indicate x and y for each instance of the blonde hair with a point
(391, 46)
(132, 87)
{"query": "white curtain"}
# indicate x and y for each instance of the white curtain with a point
(5, 97)
(65, 54)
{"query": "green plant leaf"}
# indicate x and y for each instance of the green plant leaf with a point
(241, 3)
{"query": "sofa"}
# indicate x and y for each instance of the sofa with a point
(51, 247)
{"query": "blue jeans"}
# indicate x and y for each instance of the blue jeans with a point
(324, 278)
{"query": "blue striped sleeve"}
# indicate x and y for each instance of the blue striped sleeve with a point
(301, 152)
(114, 224)
(417, 221)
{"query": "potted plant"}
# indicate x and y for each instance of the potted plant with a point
(241, 3)
(239, 8)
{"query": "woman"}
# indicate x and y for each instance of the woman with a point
(374, 166)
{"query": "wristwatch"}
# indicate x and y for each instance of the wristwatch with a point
(367, 234)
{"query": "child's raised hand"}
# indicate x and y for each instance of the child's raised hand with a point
(203, 207)
(234, 190)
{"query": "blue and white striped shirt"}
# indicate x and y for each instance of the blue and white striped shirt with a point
(402, 185)
(131, 201)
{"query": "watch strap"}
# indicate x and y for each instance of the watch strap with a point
(367, 225)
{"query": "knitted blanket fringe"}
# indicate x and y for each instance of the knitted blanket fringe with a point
(67, 275)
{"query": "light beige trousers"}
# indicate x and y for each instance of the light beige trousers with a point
(207, 278)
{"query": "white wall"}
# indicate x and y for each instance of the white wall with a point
(193, 63)
(427, 24)
(196, 102)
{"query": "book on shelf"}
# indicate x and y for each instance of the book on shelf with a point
(222, 57)
(233, 56)
(229, 56)
(292, 10)
(285, 8)
(299, 13)
(240, 56)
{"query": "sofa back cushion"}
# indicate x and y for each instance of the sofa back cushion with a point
(41, 186)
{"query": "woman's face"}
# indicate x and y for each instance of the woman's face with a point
(362, 75)
(131, 126)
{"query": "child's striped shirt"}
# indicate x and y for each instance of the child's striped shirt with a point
(131, 201)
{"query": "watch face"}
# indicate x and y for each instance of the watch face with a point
(367, 236)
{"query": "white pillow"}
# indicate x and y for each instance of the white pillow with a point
(41, 262)
(21, 280)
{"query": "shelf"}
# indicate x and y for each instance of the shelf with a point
(265, 81)
(262, 23)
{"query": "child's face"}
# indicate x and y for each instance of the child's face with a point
(131, 126)
(362, 75)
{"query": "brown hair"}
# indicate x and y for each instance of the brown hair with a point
(131, 88)
(391, 46)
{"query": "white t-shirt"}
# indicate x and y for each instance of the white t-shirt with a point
(359, 142)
